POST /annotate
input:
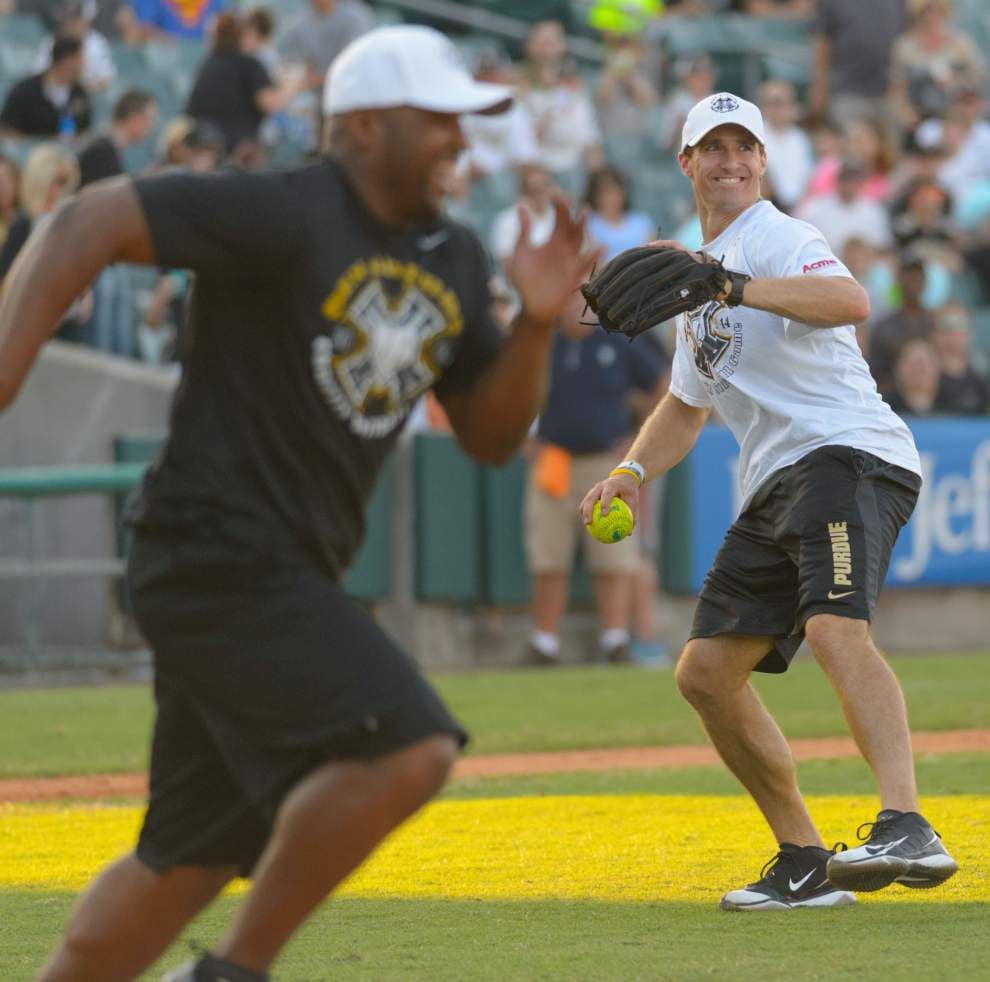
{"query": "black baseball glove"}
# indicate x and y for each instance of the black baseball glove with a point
(645, 286)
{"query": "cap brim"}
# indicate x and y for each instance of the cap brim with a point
(467, 97)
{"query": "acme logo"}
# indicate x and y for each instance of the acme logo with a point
(821, 264)
(841, 554)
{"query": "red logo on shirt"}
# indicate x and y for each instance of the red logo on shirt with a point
(821, 264)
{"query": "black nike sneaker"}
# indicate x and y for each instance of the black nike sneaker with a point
(795, 877)
(898, 846)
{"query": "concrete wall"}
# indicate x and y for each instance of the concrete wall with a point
(70, 409)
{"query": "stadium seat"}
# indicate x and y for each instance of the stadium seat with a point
(17, 59)
(23, 29)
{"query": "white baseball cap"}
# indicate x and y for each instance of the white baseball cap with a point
(717, 110)
(406, 65)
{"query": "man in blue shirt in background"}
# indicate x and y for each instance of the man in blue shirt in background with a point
(586, 424)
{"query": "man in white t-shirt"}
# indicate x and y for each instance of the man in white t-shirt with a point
(828, 476)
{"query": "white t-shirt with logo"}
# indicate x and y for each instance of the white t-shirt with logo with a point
(784, 388)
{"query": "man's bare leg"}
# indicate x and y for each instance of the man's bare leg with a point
(872, 701)
(713, 675)
(325, 828)
(128, 917)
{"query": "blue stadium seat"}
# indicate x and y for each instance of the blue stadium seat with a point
(17, 59)
(24, 29)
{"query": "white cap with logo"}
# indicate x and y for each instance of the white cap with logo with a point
(406, 65)
(717, 110)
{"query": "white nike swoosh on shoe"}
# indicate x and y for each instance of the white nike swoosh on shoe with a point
(800, 883)
(931, 841)
(428, 242)
(883, 850)
(839, 596)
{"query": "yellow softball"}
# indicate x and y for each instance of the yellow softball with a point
(616, 524)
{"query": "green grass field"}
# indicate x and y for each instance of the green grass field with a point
(106, 729)
(569, 876)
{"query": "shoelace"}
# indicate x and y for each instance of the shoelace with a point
(875, 830)
(770, 866)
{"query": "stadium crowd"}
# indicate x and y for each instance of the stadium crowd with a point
(885, 146)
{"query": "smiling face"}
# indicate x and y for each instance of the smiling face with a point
(725, 168)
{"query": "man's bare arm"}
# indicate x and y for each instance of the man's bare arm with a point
(492, 420)
(819, 301)
(105, 224)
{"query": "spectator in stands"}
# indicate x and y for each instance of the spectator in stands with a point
(582, 431)
(909, 320)
(966, 135)
(827, 146)
(50, 175)
(10, 187)
(962, 390)
(923, 214)
(536, 190)
(866, 139)
(497, 142)
(552, 91)
(847, 212)
(790, 160)
(851, 50)
(916, 380)
(611, 221)
(925, 154)
(695, 78)
(132, 119)
(321, 32)
(626, 94)
(76, 20)
(234, 91)
(930, 63)
(187, 19)
(258, 38)
(196, 144)
(52, 103)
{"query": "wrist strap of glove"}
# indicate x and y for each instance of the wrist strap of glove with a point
(738, 283)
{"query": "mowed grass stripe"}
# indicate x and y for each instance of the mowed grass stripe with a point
(634, 848)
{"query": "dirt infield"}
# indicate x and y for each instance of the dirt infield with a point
(503, 765)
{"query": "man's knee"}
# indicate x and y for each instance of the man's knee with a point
(421, 769)
(699, 673)
(832, 637)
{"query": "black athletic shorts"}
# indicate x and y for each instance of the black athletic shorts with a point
(816, 540)
(263, 671)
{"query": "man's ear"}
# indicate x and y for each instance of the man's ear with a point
(361, 129)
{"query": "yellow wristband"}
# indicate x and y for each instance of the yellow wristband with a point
(626, 470)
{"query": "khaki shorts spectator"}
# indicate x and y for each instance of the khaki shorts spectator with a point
(553, 526)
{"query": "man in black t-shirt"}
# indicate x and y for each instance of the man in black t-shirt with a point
(132, 120)
(292, 734)
(52, 103)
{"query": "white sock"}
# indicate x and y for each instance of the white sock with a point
(613, 637)
(546, 643)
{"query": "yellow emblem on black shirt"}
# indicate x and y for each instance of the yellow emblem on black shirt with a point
(393, 335)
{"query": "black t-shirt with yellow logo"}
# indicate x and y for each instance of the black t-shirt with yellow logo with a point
(314, 329)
